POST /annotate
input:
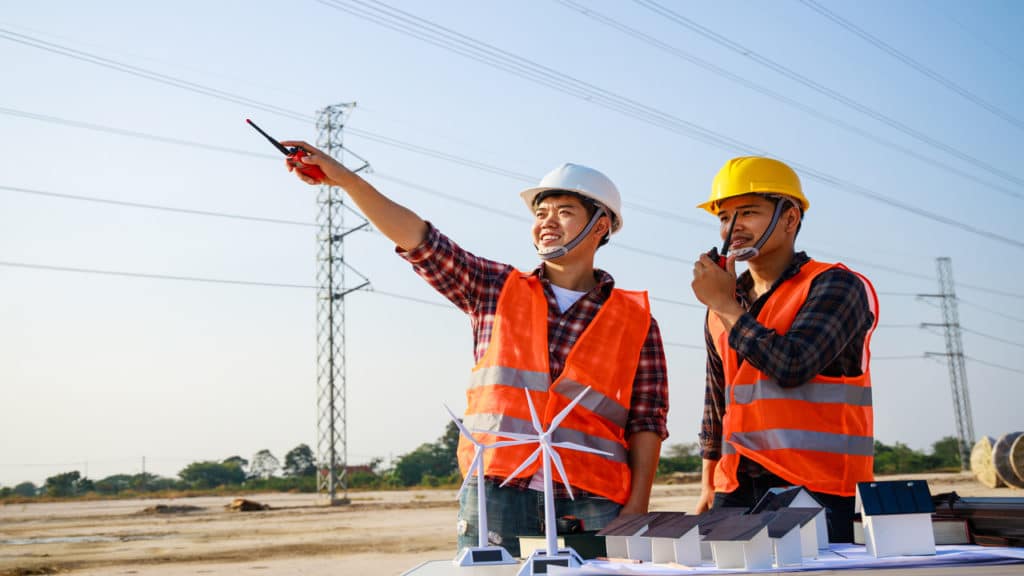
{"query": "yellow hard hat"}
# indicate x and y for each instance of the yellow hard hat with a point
(754, 175)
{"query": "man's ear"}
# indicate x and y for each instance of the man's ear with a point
(793, 216)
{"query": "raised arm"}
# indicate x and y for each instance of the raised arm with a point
(403, 226)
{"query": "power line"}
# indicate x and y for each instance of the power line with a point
(149, 74)
(526, 69)
(928, 72)
(480, 166)
(687, 346)
(153, 276)
(155, 206)
(991, 337)
(207, 280)
(981, 37)
(821, 89)
(411, 25)
(998, 313)
(451, 197)
(778, 96)
(994, 365)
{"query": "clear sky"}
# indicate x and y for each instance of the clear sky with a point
(904, 120)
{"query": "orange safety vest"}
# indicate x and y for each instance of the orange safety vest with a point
(819, 434)
(605, 357)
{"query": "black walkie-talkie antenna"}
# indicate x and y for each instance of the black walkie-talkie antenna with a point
(728, 237)
(277, 144)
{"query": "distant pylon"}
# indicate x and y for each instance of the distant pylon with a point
(955, 359)
(332, 445)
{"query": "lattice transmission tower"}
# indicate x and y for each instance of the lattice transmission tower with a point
(954, 359)
(332, 287)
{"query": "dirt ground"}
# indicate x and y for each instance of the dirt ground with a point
(378, 533)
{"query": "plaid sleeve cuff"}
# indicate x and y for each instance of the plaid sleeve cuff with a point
(745, 334)
(427, 249)
(654, 423)
(710, 450)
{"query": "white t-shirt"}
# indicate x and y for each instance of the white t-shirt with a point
(565, 298)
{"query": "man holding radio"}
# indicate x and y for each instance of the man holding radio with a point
(788, 386)
(550, 332)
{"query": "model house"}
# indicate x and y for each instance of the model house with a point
(674, 537)
(796, 497)
(897, 517)
(706, 521)
(793, 535)
(623, 533)
(741, 541)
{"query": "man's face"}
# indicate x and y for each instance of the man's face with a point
(557, 220)
(753, 214)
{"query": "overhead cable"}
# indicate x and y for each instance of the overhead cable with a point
(448, 39)
(589, 12)
(902, 57)
(821, 89)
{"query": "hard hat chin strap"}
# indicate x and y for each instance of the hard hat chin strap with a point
(559, 251)
(744, 254)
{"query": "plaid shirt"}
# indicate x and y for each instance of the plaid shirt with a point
(474, 284)
(826, 337)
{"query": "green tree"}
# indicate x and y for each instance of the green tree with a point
(946, 453)
(300, 462)
(67, 484)
(898, 459)
(26, 489)
(264, 464)
(435, 462)
(114, 484)
(238, 461)
(679, 458)
(203, 475)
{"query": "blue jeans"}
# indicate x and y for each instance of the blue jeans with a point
(512, 512)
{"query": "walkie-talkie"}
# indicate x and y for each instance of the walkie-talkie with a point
(722, 258)
(294, 155)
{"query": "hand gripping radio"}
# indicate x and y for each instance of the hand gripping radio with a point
(294, 156)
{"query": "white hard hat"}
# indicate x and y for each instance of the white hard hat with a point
(583, 181)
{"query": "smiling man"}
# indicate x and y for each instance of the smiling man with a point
(788, 387)
(551, 332)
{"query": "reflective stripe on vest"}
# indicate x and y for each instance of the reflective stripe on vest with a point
(594, 401)
(604, 357)
(818, 434)
(816, 392)
(496, 423)
(780, 438)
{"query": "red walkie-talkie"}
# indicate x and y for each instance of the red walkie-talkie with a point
(294, 156)
(722, 258)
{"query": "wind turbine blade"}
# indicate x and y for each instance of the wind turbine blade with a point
(474, 467)
(565, 411)
(557, 461)
(462, 427)
(533, 414)
(580, 447)
(527, 462)
(504, 443)
(515, 435)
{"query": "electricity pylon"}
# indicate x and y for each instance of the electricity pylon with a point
(332, 287)
(954, 358)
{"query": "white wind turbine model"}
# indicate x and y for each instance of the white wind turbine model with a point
(482, 554)
(539, 560)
